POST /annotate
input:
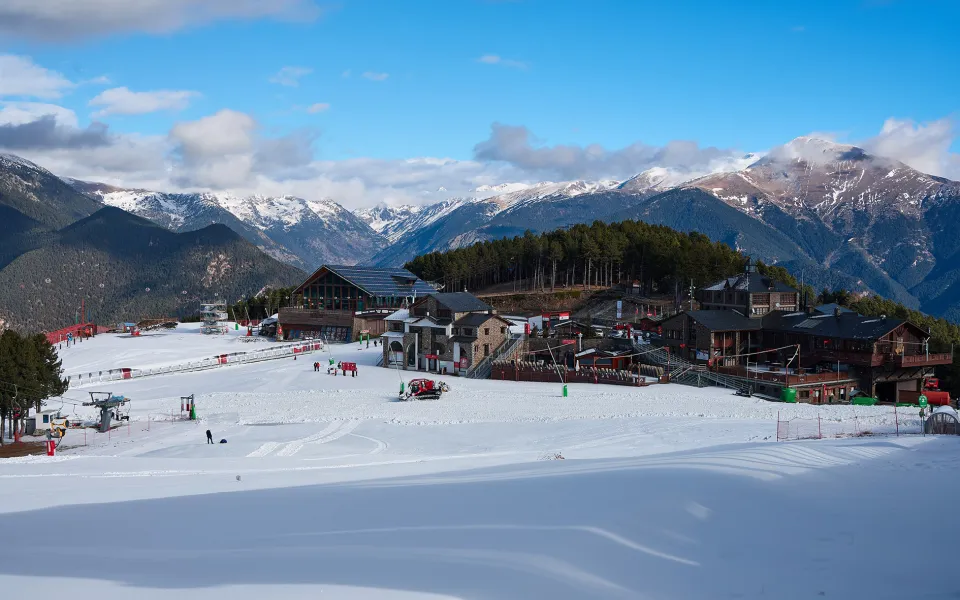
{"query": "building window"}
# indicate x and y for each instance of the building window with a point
(486, 349)
(467, 331)
(503, 330)
(486, 331)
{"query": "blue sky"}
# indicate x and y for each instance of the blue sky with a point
(743, 75)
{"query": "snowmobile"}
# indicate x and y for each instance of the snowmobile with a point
(424, 389)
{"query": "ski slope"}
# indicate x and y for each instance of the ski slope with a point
(329, 487)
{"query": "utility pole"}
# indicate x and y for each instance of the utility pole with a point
(691, 294)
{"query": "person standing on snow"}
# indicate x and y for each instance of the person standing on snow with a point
(209, 437)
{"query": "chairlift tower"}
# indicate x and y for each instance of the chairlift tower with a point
(214, 317)
(107, 403)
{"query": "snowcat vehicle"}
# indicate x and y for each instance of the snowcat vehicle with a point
(424, 389)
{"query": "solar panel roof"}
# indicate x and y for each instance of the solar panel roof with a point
(381, 281)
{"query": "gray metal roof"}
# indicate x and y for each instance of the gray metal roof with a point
(750, 282)
(461, 301)
(847, 326)
(828, 309)
(380, 281)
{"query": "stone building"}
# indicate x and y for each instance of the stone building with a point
(449, 332)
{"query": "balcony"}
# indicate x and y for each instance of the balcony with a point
(292, 316)
(922, 360)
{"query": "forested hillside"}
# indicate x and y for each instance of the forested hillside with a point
(662, 259)
(123, 267)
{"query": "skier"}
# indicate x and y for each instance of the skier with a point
(209, 437)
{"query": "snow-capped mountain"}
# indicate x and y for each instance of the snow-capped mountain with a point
(383, 217)
(879, 219)
(305, 233)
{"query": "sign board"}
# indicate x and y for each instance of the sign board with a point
(619, 309)
(463, 363)
(568, 342)
(431, 356)
(922, 400)
(702, 355)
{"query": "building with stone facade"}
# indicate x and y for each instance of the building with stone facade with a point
(443, 332)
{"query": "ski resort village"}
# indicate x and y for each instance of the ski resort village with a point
(479, 300)
(378, 436)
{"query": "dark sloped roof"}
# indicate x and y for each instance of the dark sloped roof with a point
(477, 319)
(848, 326)
(750, 282)
(828, 309)
(461, 302)
(464, 338)
(379, 281)
(724, 320)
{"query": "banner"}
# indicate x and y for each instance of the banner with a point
(619, 309)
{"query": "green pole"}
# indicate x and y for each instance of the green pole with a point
(564, 390)
(193, 411)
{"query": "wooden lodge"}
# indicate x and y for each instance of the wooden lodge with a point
(753, 328)
(339, 302)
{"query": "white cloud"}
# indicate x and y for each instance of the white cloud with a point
(493, 59)
(319, 107)
(516, 146)
(58, 20)
(290, 76)
(21, 113)
(20, 76)
(923, 146)
(346, 74)
(122, 101)
(374, 76)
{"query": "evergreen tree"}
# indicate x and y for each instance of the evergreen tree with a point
(30, 372)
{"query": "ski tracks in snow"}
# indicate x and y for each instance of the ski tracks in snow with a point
(333, 431)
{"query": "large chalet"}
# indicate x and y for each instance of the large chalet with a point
(752, 327)
(339, 302)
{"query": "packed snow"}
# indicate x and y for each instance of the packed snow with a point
(328, 486)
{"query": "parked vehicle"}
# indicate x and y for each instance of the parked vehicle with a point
(424, 389)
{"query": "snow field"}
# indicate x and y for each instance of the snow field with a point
(330, 487)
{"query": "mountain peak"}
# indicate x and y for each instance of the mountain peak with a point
(813, 151)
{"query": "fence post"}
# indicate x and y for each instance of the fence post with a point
(778, 425)
(896, 419)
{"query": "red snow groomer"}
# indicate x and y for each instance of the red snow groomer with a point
(424, 389)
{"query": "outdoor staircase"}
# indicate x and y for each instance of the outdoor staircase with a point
(683, 371)
(506, 351)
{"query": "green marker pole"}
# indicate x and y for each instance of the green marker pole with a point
(193, 411)
(564, 390)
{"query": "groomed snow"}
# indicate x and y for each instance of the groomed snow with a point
(328, 487)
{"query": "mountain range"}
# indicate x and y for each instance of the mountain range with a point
(833, 213)
(59, 247)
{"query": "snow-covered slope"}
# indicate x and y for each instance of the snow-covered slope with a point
(329, 488)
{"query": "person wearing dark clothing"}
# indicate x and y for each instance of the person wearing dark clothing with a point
(209, 437)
